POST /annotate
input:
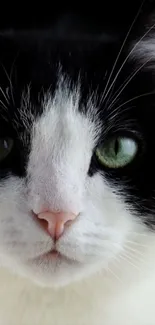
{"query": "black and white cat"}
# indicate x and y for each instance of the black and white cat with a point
(77, 170)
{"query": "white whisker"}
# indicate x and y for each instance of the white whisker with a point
(113, 96)
(137, 244)
(132, 253)
(4, 95)
(120, 51)
(10, 82)
(136, 251)
(3, 105)
(10, 78)
(129, 80)
(139, 234)
(133, 98)
(132, 257)
(127, 57)
(129, 259)
(115, 275)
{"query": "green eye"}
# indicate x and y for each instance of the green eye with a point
(6, 145)
(117, 152)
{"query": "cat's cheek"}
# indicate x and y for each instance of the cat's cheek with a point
(20, 236)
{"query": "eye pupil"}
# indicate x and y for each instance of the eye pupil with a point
(116, 147)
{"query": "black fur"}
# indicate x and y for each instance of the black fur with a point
(85, 48)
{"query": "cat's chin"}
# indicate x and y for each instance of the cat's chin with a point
(55, 258)
(53, 269)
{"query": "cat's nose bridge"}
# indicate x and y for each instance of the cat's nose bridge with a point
(58, 184)
(56, 194)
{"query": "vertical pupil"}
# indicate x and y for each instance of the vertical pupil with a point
(116, 147)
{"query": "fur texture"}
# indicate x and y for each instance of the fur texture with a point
(61, 97)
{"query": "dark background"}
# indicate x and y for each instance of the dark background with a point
(25, 14)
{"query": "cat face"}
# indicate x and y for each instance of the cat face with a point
(73, 139)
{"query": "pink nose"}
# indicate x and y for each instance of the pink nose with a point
(55, 223)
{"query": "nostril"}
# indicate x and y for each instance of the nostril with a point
(68, 223)
(43, 223)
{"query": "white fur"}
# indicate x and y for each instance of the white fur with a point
(124, 295)
(104, 244)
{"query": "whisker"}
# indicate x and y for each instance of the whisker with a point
(10, 82)
(121, 49)
(132, 257)
(3, 105)
(115, 275)
(137, 244)
(4, 95)
(134, 250)
(114, 114)
(116, 92)
(133, 98)
(127, 57)
(128, 259)
(11, 72)
(129, 80)
(139, 234)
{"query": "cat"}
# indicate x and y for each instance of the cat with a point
(77, 179)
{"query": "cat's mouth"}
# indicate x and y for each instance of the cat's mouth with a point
(55, 256)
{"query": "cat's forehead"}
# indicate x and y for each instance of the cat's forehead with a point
(62, 116)
(62, 137)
